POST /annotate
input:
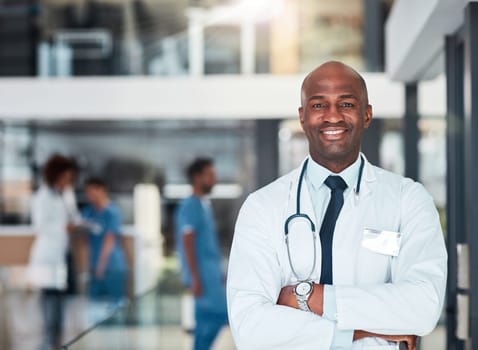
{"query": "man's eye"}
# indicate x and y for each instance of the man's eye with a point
(318, 105)
(347, 104)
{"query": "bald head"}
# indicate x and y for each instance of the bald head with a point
(330, 70)
(334, 113)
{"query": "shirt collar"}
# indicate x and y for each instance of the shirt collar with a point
(316, 173)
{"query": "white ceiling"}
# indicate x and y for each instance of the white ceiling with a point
(209, 97)
(415, 37)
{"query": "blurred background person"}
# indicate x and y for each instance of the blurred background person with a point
(198, 248)
(107, 263)
(53, 215)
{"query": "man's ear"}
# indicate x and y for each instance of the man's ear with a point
(301, 117)
(368, 116)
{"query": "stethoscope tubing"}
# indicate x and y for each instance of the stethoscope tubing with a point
(299, 215)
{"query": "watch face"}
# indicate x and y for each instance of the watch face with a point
(303, 288)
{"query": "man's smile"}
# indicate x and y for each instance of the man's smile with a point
(333, 133)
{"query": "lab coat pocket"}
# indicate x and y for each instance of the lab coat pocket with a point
(382, 242)
(374, 256)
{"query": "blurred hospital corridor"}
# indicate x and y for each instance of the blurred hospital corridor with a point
(150, 322)
(106, 105)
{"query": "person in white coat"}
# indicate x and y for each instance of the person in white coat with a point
(337, 254)
(53, 213)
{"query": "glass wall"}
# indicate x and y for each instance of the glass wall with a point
(15, 173)
(125, 154)
(156, 37)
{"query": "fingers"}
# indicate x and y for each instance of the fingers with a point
(413, 343)
(409, 340)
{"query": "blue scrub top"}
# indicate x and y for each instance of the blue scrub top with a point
(105, 221)
(196, 215)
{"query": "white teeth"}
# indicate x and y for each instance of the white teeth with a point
(333, 132)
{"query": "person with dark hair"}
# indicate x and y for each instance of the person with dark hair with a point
(53, 213)
(106, 257)
(196, 167)
(198, 249)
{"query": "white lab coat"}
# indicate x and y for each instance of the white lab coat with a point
(374, 292)
(51, 213)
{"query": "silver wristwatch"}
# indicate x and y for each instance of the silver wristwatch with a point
(302, 292)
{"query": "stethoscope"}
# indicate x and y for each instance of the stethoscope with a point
(303, 216)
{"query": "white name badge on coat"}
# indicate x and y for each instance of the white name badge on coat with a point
(382, 242)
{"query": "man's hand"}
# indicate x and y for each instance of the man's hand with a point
(100, 271)
(315, 302)
(411, 340)
(287, 297)
(196, 287)
(71, 228)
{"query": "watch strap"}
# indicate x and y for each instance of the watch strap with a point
(303, 304)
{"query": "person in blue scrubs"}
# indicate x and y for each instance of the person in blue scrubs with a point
(198, 249)
(106, 257)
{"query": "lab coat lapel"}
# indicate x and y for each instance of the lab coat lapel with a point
(300, 240)
(305, 201)
(349, 228)
(368, 179)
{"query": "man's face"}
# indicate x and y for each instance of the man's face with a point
(334, 114)
(95, 194)
(65, 180)
(206, 179)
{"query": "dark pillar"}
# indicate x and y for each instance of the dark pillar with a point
(411, 133)
(373, 54)
(471, 158)
(267, 150)
(373, 25)
(371, 141)
(19, 36)
(455, 227)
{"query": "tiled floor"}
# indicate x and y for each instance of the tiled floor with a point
(146, 338)
(21, 322)
(174, 338)
(151, 323)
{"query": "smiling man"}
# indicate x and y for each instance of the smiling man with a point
(334, 112)
(337, 254)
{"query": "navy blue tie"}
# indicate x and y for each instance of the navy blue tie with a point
(337, 186)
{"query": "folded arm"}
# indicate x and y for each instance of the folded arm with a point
(411, 302)
(316, 305)
(254, 284)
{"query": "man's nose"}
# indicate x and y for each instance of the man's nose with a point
(333, 115)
